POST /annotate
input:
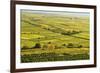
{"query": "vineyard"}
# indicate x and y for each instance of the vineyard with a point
(54, 36)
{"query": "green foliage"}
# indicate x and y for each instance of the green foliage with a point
(70, 45)
(57, 36)
(52, 57)
(45, 28)
(37, 45)
(80, 46)
(63, 44)
(70, 32)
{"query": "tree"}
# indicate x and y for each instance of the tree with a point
(37, 45)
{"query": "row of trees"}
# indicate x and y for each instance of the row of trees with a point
(70, 32)
(61, 31)
(53, 46)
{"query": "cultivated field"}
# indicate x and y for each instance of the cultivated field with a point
(54, 36)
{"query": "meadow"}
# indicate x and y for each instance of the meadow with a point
(54, 37)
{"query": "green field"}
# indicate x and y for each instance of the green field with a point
(54, 36)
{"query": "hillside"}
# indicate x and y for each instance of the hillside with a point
(62, 31)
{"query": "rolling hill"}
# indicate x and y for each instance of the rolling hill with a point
(60, 30)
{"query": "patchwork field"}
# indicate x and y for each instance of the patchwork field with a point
(54, 36)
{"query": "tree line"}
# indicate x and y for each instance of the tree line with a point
(50, 45)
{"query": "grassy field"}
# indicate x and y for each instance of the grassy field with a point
(54, 36)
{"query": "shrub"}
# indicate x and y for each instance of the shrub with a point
(37, 45)
(80, 46)
(70, 45)
(49, 42)
(70, 32)
(63, 44)
(66, 33)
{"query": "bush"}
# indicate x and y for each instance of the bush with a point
(80, 46)
(37, 45)
(66, 33)
(70, 32)
(70, 45)
(63, 44)
(49, 42)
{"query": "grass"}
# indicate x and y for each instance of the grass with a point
(57, 51)
(60, 31)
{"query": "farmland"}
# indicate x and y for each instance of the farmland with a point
(54, 36)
